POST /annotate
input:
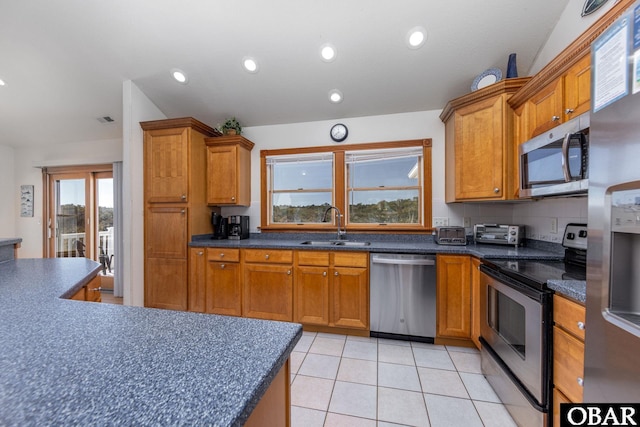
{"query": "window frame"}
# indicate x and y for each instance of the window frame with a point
(340, 188)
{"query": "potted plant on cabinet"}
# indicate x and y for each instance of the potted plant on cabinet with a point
(231, 127)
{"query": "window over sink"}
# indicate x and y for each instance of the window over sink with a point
(375, 186)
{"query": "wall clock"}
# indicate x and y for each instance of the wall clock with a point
(591, 6)
(339, 132)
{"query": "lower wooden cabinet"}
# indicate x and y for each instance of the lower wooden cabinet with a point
(568, 353)
(268, 284)
(453, 297)
(311, 305)
(90, 292)
(215, 281)
(350, 297)
(475, 301)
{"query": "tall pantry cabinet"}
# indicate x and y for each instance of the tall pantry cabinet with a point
(175, 167)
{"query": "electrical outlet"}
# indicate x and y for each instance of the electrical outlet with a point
(441, 221)
(466, 222)
(553, 226)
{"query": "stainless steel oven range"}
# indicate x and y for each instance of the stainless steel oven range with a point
(516, 326)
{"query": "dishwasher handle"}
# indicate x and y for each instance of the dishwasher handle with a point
(397, 261)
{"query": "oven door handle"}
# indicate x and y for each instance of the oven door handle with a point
(512, 283)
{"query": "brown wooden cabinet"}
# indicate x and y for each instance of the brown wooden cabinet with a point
(90, 292)
(268, 284)
(312, 304)
(215, 284)
(453, 297)
(175, 205)
(568, 352)
(480, 152)
(475, 301)
(229, 170)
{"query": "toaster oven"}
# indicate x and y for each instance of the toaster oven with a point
(500, 234)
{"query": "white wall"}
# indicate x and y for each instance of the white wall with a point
(10, 206)
(27, 172)
(569, 27)
(136, 108)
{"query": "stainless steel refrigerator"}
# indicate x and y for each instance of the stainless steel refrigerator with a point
(612, 343)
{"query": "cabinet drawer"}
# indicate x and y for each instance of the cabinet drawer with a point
(569, 315)
(312, 258)
(223, 254)
(568, 364)
(274, 256)
(558, 398)
(351, 259)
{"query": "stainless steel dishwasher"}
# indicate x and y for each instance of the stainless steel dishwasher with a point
(403, 296)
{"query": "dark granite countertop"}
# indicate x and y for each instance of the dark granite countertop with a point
(574, 289)
(65, 362)
(9, 241)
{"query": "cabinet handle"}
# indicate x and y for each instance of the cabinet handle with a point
(581, 326)
(222, 266)
(555, 118)
(496, 190)
(266, 256)
(580, 382)
(222, 255)
(98, 289)
(233, 198)
(183, 211)
(568, 111)
(200, 253)
(324, 273)
(289, 272)
(183, 197)
(335, 273)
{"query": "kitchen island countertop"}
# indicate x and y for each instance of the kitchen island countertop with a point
(65, 362)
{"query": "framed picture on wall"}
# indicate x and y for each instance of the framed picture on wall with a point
(26, 200)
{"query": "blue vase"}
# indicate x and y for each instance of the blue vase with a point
(512, 69)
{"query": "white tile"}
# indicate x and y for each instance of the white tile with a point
(339, 420)
(395, 354)
(328, 346)
(320, 365)
(447, 411)
(358, 400)
(305, 342)
(394, 342)
(466, 362)
(403, 407)
(340, 337)
(427, 346)
(398, 376)
(463, 349)
(436, 359)
(358, 371)
(479, 388)
(494, 414)
(310, 392)
(361, 339)
(295, 360)
(305, 417)
(361, 350)
(440, 381)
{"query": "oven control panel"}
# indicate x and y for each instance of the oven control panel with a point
(575, 236)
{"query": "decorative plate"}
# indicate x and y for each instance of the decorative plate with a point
(486, 78)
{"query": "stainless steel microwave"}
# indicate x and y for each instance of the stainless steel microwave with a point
(556, 162)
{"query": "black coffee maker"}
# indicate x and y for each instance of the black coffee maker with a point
(220, 226)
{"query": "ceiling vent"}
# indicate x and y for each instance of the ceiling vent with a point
(105, 119)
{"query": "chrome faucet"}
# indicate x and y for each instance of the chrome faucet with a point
(341, 233)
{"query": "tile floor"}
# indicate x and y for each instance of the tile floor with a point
(341, 380)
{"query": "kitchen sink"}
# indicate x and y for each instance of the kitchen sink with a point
(334, 243)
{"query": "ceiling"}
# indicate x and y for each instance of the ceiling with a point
(64, 62)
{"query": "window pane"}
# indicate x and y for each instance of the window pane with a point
(299, 207)
(384, 206)
(308, 175)
(384, 173)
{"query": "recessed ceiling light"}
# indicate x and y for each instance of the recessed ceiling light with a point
(2, 83)
(250, 64)
(179, 76)
(335, 96)
(416, 37)
(328, 52)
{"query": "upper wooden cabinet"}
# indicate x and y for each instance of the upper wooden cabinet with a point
(229, 170)
(480, 152)
(175, 205)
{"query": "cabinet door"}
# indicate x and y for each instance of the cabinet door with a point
(544, 109)
(475, 301)
(311, 295)
(568, 364)
(577, 88)
(94, 290)
(165, 283)
(224, 291)
(268, 292)
(222, 185)
(350, 297)
(453, 296)
(166, 165)
(166, 232)
(197, 273)
(479, 150)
